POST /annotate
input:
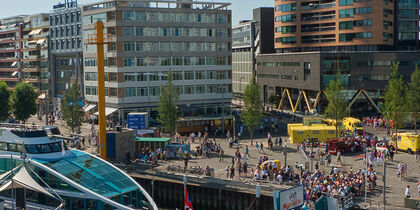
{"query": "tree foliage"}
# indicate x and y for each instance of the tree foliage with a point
(4, 101)
(336, 108)
(413, 96)
(252, 114)
(395, 94)
(24, 101)
(167, 106)
(71, 107)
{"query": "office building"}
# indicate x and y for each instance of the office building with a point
(66, 48)
(11, 50)
(148, 39)
(246, 44)
(35, 53)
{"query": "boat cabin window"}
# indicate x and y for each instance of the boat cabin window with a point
(3, 146)
(55, 147)
(31, 149)
(44, 148)
(12, 147)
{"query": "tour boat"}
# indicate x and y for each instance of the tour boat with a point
(39, 171)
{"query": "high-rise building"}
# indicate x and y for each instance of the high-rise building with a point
(358, 38)
(345, 25)
(149, 39)
(35, 53)
(11, 50)
(66, 47)
(246, 44)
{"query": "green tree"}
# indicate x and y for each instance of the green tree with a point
(336, 108)
(252, 114)
(413, 96)
(395, 94)
(167, 106)
(4, 101)
(24, 101)
(71, 107)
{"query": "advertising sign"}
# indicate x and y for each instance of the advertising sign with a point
(137, 121)
(288, 199)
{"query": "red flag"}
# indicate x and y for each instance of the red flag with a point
(187, 201)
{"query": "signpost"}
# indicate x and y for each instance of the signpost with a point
(137, 121)
(288, 199)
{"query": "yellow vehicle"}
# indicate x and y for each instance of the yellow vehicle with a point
(409, 142)
(291, 125)
(352, 124)
(321, 132)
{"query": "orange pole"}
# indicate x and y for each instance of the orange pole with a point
(101, 88)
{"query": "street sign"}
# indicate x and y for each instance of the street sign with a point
(137, 121)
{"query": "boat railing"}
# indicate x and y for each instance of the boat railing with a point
(20, 126)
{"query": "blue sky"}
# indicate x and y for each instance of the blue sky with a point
(241, 9)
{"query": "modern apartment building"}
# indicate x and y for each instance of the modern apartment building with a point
(11, 50)
(360, 38)
(146, 40)
(35, 53)
(66, 47)
(246, 44)
(342, 25)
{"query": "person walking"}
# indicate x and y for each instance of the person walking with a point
(256, 146)
(339, 157)
(221, 153)
(262, 147)
(407, 192)
(247, 151)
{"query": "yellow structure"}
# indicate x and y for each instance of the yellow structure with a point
(409, 142)
(322, 132)
(99, 41)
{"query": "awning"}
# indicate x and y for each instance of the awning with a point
(41, 41)
(89, 107)
(14, 73)
(42, 96)
(108, 111)
(34, 32)
(23, 180)
(13, 64)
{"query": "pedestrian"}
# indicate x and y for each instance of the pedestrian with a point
(417, 155)
(233, 161)
(221, 153)
(256, 146)
(339, 157)
(262, 147)
(232, 172)
(407, 192)
(247, 151)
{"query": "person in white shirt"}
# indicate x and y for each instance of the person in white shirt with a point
(407, 192)
(279, 178)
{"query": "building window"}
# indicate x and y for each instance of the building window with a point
(288, 40)
(363, 10)
(128, 31)
(189, 75)
(346, 13)
(188, 89)
(129, 62)
(200, 89)
(128, 15)
(288, 18)
(288, 29)
(287, 77)
(288, 7)
(346, 25)
(306, 71)
(346, 2)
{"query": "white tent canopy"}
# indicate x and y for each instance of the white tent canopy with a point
(108, 111)
(23, 180)
(89, 107)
